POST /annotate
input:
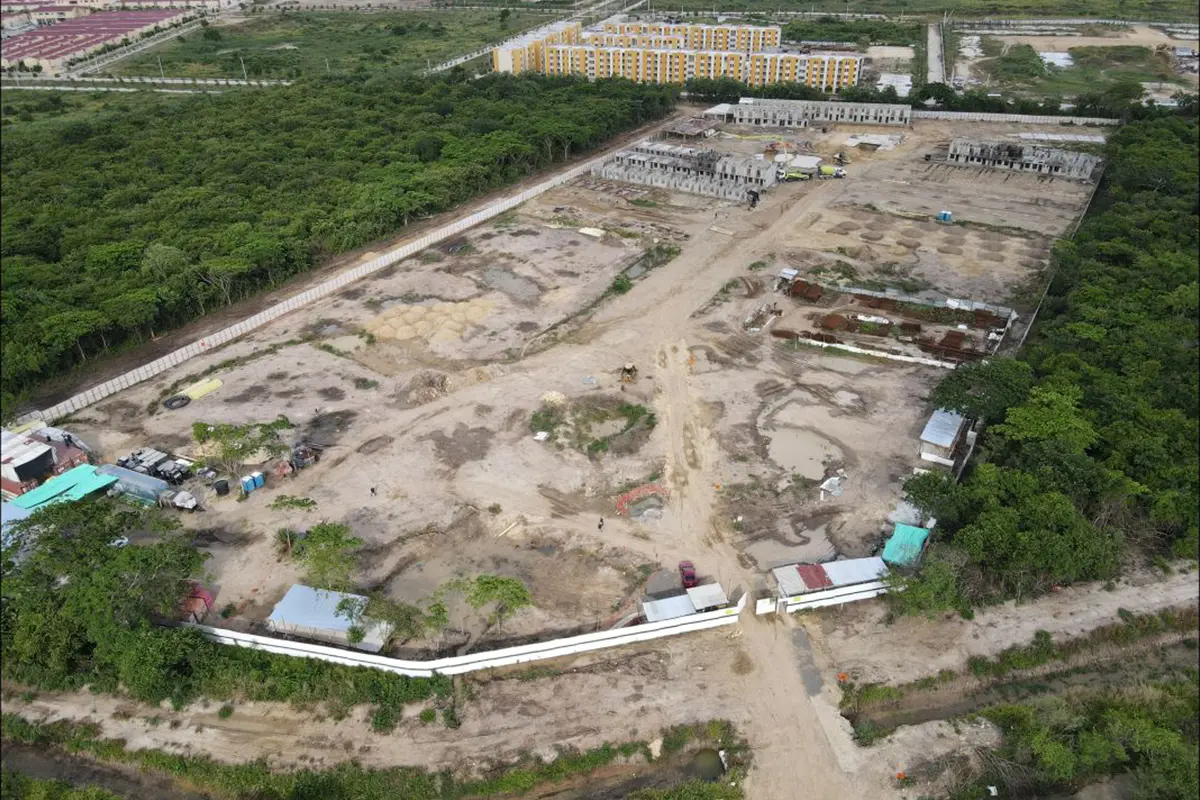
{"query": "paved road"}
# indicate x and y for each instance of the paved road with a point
(934, 58)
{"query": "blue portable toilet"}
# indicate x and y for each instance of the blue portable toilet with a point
(247, 484)
(943, 216)
(259, 480)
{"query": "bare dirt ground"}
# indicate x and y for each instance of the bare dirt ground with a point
(422, 381)
(855, 639)
(1138, 36)
(100, 371)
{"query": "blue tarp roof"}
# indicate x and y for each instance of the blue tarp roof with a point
(904, 548)
(74, 484)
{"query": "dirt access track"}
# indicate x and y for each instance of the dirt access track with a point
(422, 381)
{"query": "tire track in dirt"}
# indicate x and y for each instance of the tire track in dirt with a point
(781, 722)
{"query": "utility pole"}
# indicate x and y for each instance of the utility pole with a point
(161, 74)
(244, 75)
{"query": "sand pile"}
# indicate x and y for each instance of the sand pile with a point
(436, 322)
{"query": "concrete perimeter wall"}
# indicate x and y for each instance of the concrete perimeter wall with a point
(473, 662)
(329, 287)
(1031, 119)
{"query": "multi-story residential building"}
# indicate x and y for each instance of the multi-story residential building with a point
(664, 53)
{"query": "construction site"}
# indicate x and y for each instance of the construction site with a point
(717, 353)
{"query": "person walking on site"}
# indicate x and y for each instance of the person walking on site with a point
(601, 525)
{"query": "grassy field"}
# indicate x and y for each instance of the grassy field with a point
(1178, 10)
(1095, 69)
(303, 44)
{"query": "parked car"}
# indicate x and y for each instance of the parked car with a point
(687, 574)
(120, 541)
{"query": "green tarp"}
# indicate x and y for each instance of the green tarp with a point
(72, 485)
(904, 548)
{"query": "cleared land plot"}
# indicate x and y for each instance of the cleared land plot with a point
(437, 414)
(422, 382)
(1095, 67)
(301, 44)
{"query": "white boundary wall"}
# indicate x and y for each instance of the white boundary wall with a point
(472, 662)
(929, 362)
(1031, 119)
(832, 597)
(329, 287)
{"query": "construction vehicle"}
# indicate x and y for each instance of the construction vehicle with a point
(825, 171)
(794, 174)
(629, 373)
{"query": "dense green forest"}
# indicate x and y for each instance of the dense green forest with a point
(1092, 438)
(79, 612)
(147, 215)
(1058, 744)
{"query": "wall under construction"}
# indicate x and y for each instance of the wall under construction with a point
(1023, 158)
(801, 113)
(689, 169)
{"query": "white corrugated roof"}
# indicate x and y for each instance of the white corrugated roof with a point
(710, 595)
(16, 449)
(789, 580)
(855, 570)
(667, 608)
(806, 162)
(942, 428)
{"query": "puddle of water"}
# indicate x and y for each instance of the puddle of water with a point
(520, 289)
(771, 553)
(803, 452)
(636, 271)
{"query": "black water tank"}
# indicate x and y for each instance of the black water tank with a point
(222, 487)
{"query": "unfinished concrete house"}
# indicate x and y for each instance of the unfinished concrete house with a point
(690, 169)
(1024, 158)
(802, 113)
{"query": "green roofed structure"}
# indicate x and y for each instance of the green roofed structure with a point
(72, 485)
(906, 545)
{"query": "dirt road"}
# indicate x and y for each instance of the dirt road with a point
(934, 54)
(856, 640)
(781, 721)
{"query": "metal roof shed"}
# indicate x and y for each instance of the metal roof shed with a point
(23, 458)
(855, 570)
(313, 614)
(667, 608)
(943, 428)
(707, 597)
(905, 545)
(789, 581)
(805, 162)
(135, 484)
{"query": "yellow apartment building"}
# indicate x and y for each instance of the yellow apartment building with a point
(662, 53)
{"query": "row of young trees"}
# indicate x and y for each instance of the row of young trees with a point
(142, 217)
(1092, 434)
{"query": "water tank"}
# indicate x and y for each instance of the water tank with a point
(222, 487)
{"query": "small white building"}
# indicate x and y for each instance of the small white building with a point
(941, 436)
(310, 613)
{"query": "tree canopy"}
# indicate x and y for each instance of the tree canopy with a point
(145, 215)
(78, 611)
